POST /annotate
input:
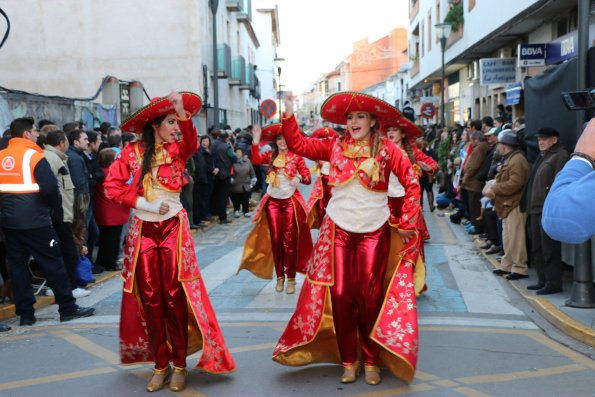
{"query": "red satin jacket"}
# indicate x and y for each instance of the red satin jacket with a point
(169, 175)
(343, 169)
(294, 164)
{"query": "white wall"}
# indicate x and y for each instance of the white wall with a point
(66, 47)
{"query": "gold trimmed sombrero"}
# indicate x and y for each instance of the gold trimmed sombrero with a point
(271, 132)
(336, 107)
(407, 126)
(159, 107)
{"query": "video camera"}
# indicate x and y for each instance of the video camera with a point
(579, 100)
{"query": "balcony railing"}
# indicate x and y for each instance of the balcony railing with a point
(238, 71)
(250, 75)
(245, 12)
(233, 5)
(223, 61)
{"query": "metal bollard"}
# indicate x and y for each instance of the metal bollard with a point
(582, 294)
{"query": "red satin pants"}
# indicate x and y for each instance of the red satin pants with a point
(283, 228)
(360, 264)
(162, 296)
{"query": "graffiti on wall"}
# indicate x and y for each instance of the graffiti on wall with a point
(58, 110)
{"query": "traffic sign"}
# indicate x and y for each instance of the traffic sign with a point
(428, 110)
(268, 108)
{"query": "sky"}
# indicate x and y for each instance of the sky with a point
(316, 35)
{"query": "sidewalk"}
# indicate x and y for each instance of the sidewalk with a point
(574, 322)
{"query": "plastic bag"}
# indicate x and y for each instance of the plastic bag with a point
(84, 271)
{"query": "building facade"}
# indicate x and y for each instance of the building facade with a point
(482, 53)
(66, 48)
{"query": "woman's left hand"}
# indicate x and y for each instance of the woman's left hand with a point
(176, 99)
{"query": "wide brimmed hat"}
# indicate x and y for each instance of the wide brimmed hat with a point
(159, 107)
(271, 132)
(407, 126)
(337, 106)
(547, 132)
(324, 132)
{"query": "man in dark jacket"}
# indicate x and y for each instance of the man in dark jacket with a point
(545, 252)
(79, 173)
(28, 193)
(223, 157)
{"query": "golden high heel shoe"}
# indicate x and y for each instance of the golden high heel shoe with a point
(372, 374)
(159, 379)
(279, 286)
(350, 373)
(178, 379)
(290, 286)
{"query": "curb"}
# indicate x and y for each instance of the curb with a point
(8, 311)
(547, 310)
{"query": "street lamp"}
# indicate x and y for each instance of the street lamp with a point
(279, 84)
(442, 31)
(213, 4)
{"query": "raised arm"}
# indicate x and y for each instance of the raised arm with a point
(189, 144)
(314, 149)
(255, 156)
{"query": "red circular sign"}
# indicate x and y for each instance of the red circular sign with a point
(268, 108)
(428, 110)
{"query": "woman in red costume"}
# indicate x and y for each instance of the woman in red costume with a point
(401, 132)
(281, 236)
(357, 292)
(321, 192)
(166, 312)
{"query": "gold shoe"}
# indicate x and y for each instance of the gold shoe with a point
(159, 379)
(178, 379)
(290, 286)
(350, 373)
(279, 286)
(372, 374)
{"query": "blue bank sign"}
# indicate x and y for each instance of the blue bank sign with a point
(531, 55)
(562, 49)
(497, 71)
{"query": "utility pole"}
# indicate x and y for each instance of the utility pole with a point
(213, 5)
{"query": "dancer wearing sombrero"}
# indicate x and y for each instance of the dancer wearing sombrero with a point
(281, 237)
(402, 132)
(166, 312)
(321, 191)
(357, 293)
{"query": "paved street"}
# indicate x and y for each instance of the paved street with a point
(478, 337)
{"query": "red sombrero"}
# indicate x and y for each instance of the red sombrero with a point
(407, 126)
(325, 132)
(336, 107)
(159, 107)
(271, 132)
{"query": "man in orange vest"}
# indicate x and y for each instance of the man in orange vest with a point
(28, 194)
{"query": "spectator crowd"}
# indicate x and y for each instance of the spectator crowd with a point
(92, 229)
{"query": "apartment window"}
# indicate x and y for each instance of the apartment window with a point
(421, 37)
(429, 30)
(339, 86)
